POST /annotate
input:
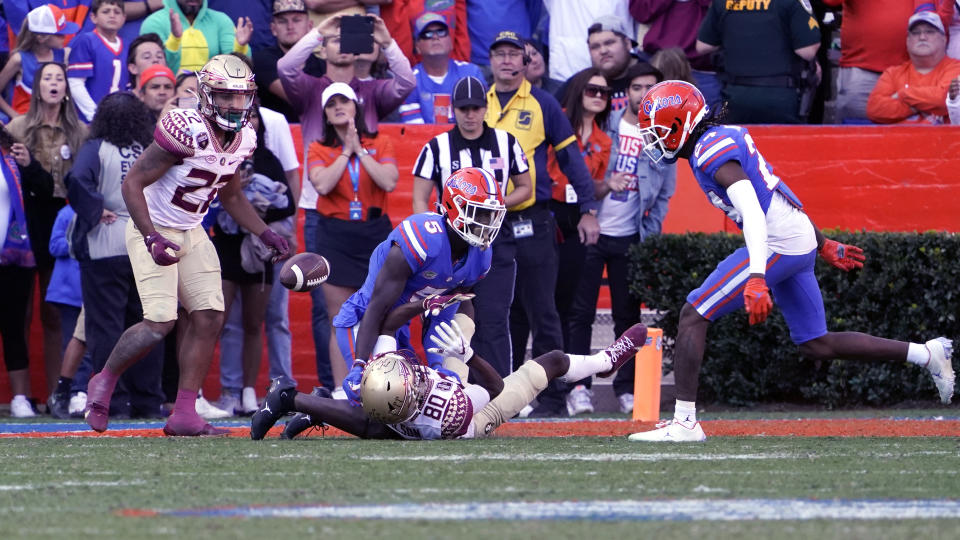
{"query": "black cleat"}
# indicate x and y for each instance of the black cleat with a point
(58, 406)
(272, 409)
(300, 421)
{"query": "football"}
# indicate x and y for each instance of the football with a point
(304, 272)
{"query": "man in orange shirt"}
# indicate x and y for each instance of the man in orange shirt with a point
(916, 91)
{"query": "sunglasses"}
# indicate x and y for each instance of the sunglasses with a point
(438, 33)
(597, 91)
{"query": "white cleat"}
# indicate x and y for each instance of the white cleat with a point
(209, 411)
(671, 431)
(941, 366)
(579, 400)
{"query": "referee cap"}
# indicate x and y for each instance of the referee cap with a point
(469, 92)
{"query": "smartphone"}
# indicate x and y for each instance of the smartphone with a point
(356, 34)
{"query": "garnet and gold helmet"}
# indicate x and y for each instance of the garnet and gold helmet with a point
(226, 89)
(392, 387)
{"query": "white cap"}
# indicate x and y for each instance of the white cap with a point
(49, 19)
(928, 17)
(337, 88)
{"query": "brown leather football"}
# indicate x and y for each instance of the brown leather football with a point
(304, 272)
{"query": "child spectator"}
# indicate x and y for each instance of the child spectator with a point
(40, 40)
(436, 74)
(144, 51)
(65, 293)
(96, 58)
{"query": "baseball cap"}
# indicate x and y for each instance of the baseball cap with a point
(510, 37)
(469, 92)
(928, 17)
(156, 70)
(49, 19)
(287, 6)
(611, 23)
(337, 88)
(427, 19)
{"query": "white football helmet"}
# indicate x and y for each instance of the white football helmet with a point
(226, 91)
(393, 386)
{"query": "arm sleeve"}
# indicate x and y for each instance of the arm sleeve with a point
(59, 246)
(296, 83)
(425, 166)
(410, 111)
(953, 107)
(804, 30)
(652, 220)
(394, 91)
(82, 181)
(744, 199)
(78, 89)
(881, 107)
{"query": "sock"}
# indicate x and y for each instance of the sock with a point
(109, 376)
(918, 354)
(186, 402)
(582, 366)
(63, 386)
(685, 412)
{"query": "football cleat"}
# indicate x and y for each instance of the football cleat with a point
(671, 431)
(58, 405)
(78, 402)
(625, 348)
(579, 400)
(272, 409)
(626, 403)
(301, 422)
(97, 412)
(941, 366)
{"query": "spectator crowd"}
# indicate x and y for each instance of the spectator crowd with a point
(545, 94)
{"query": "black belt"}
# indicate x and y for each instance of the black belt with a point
(535, 208)
(776, 81)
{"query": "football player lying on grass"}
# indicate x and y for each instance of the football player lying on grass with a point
(402, 398)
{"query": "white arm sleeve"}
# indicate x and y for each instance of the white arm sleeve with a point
(953, 108)
(744, 199)
(85, 103)
(384, 344)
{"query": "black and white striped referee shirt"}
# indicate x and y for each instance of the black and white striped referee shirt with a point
(494, 150)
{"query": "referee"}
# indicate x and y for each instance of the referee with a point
(474, 144)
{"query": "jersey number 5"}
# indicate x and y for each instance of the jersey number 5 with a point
(432, 227)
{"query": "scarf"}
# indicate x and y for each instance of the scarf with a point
(15, 248)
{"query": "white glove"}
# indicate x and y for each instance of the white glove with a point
(450, 342)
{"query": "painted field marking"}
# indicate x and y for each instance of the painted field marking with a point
(577, 457)
(629, 510)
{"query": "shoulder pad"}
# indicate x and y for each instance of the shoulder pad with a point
(182, 132)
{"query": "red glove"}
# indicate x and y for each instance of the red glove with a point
(157, 246)
(277, 243)
(844, 256)
(433, 305)
(756, 299)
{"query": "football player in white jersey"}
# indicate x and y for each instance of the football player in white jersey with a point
(194, 156)
(402, 398)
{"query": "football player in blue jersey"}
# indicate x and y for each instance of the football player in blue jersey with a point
(781, 247)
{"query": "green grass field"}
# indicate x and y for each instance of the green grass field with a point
(77, 487)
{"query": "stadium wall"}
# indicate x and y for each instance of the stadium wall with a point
(873, 178)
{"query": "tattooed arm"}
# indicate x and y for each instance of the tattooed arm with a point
(149, 167)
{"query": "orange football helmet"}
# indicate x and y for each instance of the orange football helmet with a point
(669, 112)
(473, 205)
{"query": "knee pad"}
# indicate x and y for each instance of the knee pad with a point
(519, 389)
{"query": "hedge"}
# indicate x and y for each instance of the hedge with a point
(907, 290)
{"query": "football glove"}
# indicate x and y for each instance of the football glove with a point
(351, 383)
(277, 243)
(157, 246)
(756, 299)
(449, 341)
(434, 304)
(844, 256)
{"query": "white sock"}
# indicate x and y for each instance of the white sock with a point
(918, 354)
(582, 366)
(685, 412)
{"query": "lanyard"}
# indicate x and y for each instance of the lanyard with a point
(353, 167)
